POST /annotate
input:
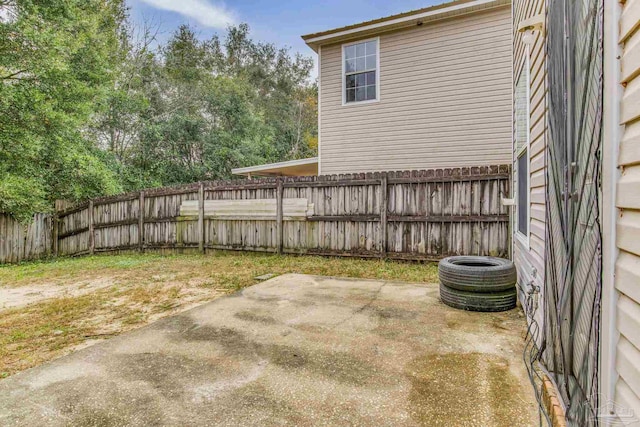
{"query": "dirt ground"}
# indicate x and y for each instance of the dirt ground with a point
(295, 350)
(49, 309)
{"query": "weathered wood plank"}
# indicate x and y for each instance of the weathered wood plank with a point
(55, 237)
(416, 180)
(117, 223)
(115, 199)
(449, 218)
(71, 233)
(279, 217)
(141, 221)
(236, 187)
(332, 184)
(22, 242)
(72, 210)
(342, 218)
(201, 207)
(384, 211)
(171, 219)
(256, 209)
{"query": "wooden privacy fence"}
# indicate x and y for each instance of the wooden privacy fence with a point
(410, 215)
(20, 242)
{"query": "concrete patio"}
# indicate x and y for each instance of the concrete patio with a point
(294, 350)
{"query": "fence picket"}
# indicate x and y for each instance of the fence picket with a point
(422, 215)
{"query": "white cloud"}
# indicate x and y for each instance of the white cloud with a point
(201, 11)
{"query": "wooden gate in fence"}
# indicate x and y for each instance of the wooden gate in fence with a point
(421, 215)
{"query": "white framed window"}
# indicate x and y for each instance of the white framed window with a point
(521, 150)
(361, 71)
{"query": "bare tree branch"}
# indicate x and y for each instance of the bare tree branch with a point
(12, 76)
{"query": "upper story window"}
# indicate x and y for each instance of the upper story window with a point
(360, 71)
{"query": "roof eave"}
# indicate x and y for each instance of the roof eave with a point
(395, 22)
(280, 168)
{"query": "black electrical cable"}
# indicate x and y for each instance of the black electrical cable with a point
(573, 258)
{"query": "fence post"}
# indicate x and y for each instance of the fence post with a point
(201, 218)
(383, 214)
(92, 237)
(141, 222)
(279, 216)
(54, 233)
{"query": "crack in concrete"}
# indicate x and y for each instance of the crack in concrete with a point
(361, 309)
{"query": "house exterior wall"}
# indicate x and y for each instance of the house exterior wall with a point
(627, 268)
(444, 99)
(529, 257)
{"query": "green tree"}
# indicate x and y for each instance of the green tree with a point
(281, 81)
(56, 64)
(204, 123)
(89, 107)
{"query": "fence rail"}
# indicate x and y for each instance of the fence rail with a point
(419, 215)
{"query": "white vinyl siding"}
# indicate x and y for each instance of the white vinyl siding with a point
(444, 99)
(627, 277)
(529, 254)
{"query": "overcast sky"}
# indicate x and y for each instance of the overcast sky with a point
(278, 21)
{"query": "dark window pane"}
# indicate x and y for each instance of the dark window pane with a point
(523, 171)
(351, 95)
(371, 62)
(360, 80)
(351, 81)
(350, 65)
(361, 64)
(361, 94)
(371, 92)
(371, 78)
(360, 49)
(350, 52)
(371, 48)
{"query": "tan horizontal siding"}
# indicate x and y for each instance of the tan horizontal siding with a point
(628, 231)
(414, 144)
(627, 278)
(627, 364)
(445, 100)
(410, 130)
(439, 81)
(625, 397)
(628, 275)
(538, 181)
(630, 145)
(630, 61)
(439, 85)
(630, 109)
(399, 113)
(629, 20)
(628, 189)
(629, 319)
(532, 258)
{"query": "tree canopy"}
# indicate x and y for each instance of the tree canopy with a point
(91, 106)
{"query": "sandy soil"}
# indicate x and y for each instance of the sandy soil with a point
(26, 295)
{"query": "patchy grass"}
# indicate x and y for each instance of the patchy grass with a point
(144, 287)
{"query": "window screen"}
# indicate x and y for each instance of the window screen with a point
(521, 111)
(521, 146)
(523, 193)
(361, 74)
